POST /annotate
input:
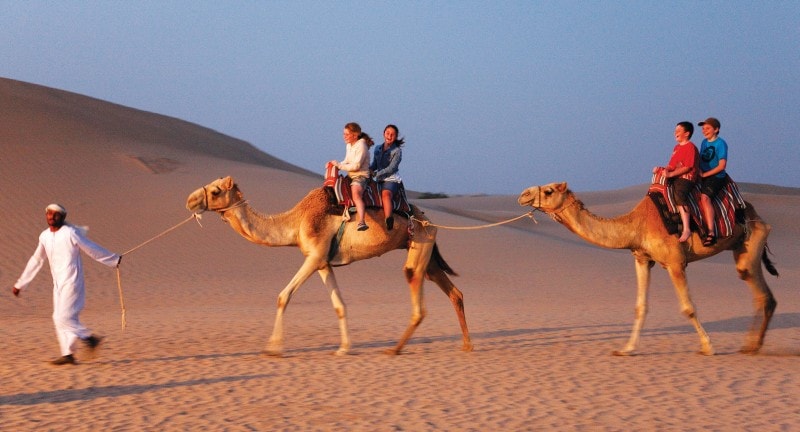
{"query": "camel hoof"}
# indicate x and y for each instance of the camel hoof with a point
(341, 352)
(392, 351)
(750, 350)
(623, 353)
(467, 347)
(707, 352)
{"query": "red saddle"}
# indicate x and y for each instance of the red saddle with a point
(372, 193)
(728, 205)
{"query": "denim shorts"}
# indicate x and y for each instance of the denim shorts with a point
(394, 187)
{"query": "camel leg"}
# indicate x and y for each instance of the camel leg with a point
(643, 266)
(329, 280)
(275, 344)
(419, 254)
(678, 275)
(439, 277)
(748, 265)
(417, 309)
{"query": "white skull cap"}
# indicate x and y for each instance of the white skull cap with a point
(56, 208)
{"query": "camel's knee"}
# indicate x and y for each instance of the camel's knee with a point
(640, 312)
(409, 272)
(744, 274)
(413, 277)
(416, 319)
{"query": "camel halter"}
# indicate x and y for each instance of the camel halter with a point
(221, 211)
(556, 216)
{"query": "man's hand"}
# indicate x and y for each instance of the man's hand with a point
(15, 291)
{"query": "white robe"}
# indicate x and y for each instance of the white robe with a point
(62, 250)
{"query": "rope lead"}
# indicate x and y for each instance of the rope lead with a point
(195, 216)
(426, 223)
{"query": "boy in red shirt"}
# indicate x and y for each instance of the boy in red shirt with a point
(684, 169)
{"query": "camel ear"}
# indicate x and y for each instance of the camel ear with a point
(227, 183)
(561, 186)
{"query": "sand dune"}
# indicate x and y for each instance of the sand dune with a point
(545, 308)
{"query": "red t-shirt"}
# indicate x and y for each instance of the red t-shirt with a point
(684, 155)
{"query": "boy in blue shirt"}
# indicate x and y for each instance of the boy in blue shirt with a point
(713, 161)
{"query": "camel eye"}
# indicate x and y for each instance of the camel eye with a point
(548, 192)
(215, 192)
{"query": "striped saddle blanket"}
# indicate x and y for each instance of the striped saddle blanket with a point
(372, 193)
(728, 206)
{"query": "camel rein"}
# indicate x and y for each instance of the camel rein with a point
(195, 216)
(426, 223)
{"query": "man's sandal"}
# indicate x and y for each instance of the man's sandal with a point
(710, 240)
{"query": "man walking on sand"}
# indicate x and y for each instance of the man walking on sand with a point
(61, 244)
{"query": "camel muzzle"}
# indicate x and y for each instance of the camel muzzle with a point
(197, 201)
(527, 198)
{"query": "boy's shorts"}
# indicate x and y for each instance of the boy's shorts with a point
(712, 185)
(682, 188)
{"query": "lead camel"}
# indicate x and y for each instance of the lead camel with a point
(312, 225)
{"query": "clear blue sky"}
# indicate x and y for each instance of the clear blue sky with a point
(492, 97)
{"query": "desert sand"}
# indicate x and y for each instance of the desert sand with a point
(545, 309)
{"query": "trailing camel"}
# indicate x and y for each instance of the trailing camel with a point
(644, 234)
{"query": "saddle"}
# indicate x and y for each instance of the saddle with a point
(340, 185)
(338, 188)
(728, 206)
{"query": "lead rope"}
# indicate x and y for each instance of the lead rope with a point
(195, 216)
(426, 223)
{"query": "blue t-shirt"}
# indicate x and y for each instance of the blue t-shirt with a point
(711, 153)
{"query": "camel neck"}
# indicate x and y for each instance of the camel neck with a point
(269, 230)
(614, 233)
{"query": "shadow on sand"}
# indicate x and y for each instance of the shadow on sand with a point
(91, 393)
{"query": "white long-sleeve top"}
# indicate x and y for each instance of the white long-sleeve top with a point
(62, 249)
(356, 159)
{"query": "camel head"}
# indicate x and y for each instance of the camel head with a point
(548, 198)
(219, 195)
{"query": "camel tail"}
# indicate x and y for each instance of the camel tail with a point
(437, 257)
(767, 263)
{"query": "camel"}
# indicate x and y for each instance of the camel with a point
(643, 233)
(312, 225)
